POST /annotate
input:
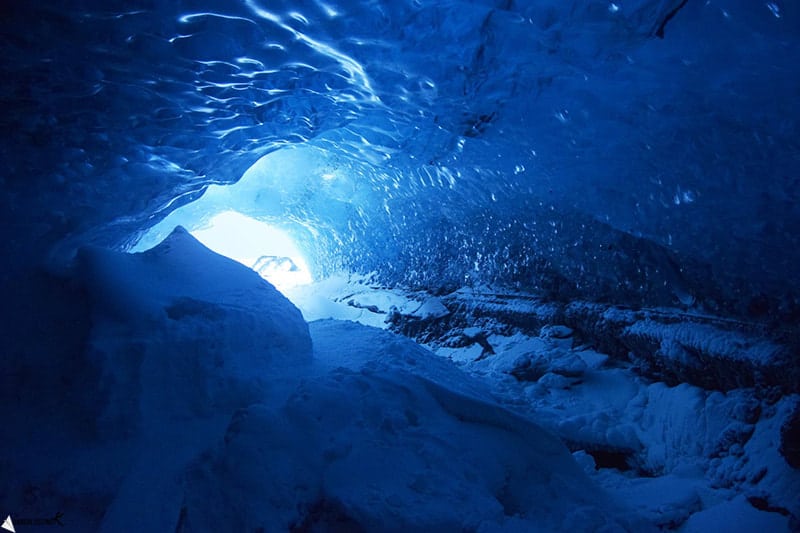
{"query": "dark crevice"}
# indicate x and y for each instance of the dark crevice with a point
(763, 505)
(611, 459)
(660, 30)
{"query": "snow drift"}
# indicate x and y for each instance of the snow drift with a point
(210, 409)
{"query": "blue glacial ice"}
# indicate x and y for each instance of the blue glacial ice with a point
(579, 221)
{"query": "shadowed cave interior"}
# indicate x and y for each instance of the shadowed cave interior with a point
(400, 266)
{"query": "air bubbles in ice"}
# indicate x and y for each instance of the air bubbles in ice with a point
(684, 197)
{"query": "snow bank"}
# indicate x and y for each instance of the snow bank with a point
(186, 326)
(181, 339)
(202, 407)
(670, 452)
(385, 436)
(177, 280)
(734, 516)
(666, 344)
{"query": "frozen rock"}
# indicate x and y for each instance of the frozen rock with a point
(556, 332)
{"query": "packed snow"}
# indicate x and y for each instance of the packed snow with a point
(685, 458)
(216, 406)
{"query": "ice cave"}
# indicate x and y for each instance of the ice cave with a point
(400, 265)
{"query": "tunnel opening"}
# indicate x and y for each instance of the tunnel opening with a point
(257, 245)
(294, 216)
(535, 190)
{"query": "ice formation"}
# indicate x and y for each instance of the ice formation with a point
(578, 221)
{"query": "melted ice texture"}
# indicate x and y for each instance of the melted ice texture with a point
(554, 145)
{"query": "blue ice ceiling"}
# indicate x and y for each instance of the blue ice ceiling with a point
(639, 152)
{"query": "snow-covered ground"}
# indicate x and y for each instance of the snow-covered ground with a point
(685, 458)
(204, 401)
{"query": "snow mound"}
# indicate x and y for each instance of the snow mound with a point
(212, 409)
(180, 287)
(141, 286)
(181, 338)
(388, 437)
(735, 516)
(200, 324)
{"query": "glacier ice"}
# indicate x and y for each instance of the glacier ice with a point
(558, 146)
(590, 207)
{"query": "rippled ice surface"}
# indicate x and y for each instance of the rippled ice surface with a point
(561, 146)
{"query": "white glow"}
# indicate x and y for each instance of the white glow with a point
(257, 245)
(247, 240)
(221, 218)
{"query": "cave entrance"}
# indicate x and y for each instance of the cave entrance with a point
(264, 248)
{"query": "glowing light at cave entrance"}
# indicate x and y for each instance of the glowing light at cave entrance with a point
(257, 245)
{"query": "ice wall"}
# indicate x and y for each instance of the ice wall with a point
(638, 151)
